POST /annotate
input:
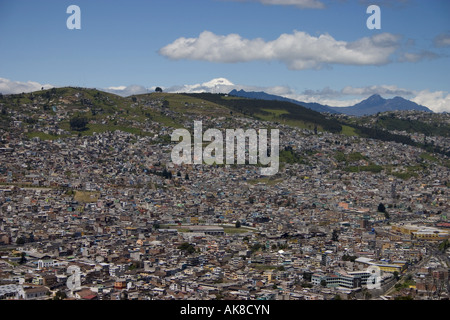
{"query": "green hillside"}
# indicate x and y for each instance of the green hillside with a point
(274, 110)
(390, 122)
(60, 112)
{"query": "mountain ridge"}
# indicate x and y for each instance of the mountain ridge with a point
(375, 104)
(370, 106)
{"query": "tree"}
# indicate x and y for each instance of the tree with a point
(255, 247)
(158, 89)
(78, 123)
(335, 236)
(307, 276)
(167, 174)
(238, 224)
(367, 294)
(346, 257)
(186, 246)
(22, 258)
(444, 245)
(60, 295)
(381, 208)
(396, 276)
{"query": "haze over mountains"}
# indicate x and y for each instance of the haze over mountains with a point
(376, 103)
(371, 105)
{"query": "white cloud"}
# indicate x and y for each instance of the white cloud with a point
(384, 90)
(298, 50)
(222, 85)
(438, 101)
(218, 85)
(387, 3)
(324, 100)
(126, 91)
(325, 92)
(302, 4)
(415, 57)
(13, 87)
(442, 40)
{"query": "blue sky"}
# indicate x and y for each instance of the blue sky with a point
(311, 50)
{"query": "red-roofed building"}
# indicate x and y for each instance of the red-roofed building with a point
(86, 294)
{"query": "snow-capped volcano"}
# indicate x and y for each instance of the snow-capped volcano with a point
(217, 85)
(218, 82)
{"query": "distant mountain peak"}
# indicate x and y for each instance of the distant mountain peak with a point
(374, 100)
(372, 105)
(218, 82)
(375, 96)
(376, 103)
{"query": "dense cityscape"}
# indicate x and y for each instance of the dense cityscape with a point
(100, 214)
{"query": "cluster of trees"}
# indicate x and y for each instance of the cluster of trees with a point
(382, 208)
(187, 247)
(369, 168)
(167, 174)
(351, 157)
(78, 123)
(346, 257)
(444, 245)
(383, 135)
(391, 123)
(287, 155)
(256, 247)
